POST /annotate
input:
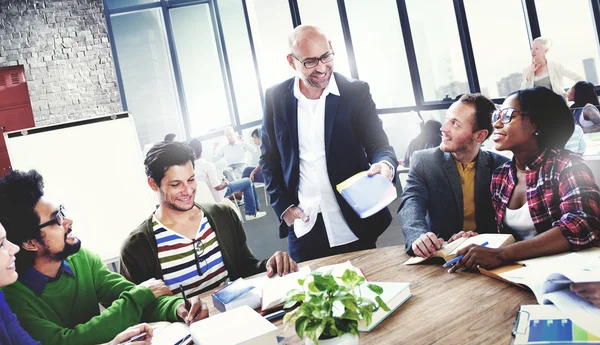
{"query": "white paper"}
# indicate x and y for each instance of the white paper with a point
(581, 312)
(170, 334)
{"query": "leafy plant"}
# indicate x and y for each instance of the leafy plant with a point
(331, 307)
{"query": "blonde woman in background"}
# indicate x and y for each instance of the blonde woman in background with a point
(544, 72)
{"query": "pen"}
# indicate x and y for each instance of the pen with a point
(185, 300)
(182, 341)
(135, 338)
(559, 281)
(457, 259)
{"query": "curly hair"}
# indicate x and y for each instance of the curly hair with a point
(164, 155)
(548, 111)
(19, 193)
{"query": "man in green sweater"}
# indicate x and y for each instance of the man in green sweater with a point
(60, 286)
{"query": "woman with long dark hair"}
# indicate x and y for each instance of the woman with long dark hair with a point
(584, 107)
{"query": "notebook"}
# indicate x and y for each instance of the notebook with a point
(449, 250)
(367, 195)
(394, 295)
(546, 324)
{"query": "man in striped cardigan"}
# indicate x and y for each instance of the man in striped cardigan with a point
(190, 246)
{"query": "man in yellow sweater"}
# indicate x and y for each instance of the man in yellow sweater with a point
(61, 285)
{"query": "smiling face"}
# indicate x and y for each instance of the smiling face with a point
(8, 274)
(177, 188)
(538, 51)
(457, 131)
(57, 240)
(313, 47)
(518, 134)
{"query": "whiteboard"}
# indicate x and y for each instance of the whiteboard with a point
(95, 168)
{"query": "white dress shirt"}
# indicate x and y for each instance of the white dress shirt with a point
(315, 192)
(207, 172)
(234, 153)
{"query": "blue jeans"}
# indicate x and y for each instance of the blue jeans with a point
(250, 199)
(258, 177)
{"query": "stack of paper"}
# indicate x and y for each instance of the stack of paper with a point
(367, 195)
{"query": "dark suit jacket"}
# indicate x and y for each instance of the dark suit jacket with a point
(354, 138)
(433, 199)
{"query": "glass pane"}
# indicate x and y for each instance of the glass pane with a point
(574, 42)
(240, 60)
(271, 24)
(401, 128)
(113, 4)
(500, 44)
(200, 67)
(438, 49)
(325, 14)
(148, 81)
(379, 49)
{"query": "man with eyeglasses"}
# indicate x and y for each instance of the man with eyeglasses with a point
(61, 285)
(447, 192)
(192, 247)
(320, 128)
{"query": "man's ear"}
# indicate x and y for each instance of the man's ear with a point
(290, 59)
(481, 135)
(153, 184)
(30, 245)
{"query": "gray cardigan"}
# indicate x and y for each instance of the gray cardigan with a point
(433, 200)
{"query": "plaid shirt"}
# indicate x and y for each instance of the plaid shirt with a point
(561, 191)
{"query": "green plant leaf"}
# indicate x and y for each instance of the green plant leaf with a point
(312, 287)
(375, 288)
(351, 278)
(301, 324)
(381, 303)
(292, 300)
(325, 282)
(350, 315)
(301, 282)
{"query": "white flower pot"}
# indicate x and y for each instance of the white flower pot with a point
(346, 339)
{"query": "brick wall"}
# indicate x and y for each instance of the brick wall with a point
(65, 50)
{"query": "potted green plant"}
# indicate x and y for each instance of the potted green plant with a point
(331, 308)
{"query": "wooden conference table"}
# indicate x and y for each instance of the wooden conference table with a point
(457, 308)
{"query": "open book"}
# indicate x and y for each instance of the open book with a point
(550, 285)
(274, 289)
(394, 295)
(449, 250)
(367, 195)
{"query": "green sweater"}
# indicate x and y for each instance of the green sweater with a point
(67, 311)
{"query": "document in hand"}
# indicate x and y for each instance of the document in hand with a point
(394, 295)
(240, 326)
(367, 195)
(449, 250)
(546, 324)
(550, 285)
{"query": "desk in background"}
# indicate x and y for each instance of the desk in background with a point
(459, 308)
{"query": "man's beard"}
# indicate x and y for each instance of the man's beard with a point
(68, 250)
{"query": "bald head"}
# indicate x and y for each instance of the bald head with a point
(304, 34)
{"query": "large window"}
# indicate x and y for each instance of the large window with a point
(379, 49)
(271, 24)
(570, 27)
(327, 18)
(438, 50)
(500, 44)
(247, 94)
(146, 71)
(200, 68)
(114, 4)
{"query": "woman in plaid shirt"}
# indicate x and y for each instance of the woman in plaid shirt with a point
(546, 196)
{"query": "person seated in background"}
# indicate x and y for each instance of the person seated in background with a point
(546, 196)
(450, 185)
(206, 171)
(253, 171)
(429, 137)
(234, 153)
(11, 332)
(170, 137)
(545, 72)
(584, 107)
(576, 142)
(60, 284)
(192, 247)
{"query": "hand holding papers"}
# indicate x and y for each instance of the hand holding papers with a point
(367, 195)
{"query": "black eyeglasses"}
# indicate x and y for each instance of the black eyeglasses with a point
(314, 62)
(505, 115)
(198, 248)
(59, 218)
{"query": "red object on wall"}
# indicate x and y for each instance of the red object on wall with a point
(15, 108)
